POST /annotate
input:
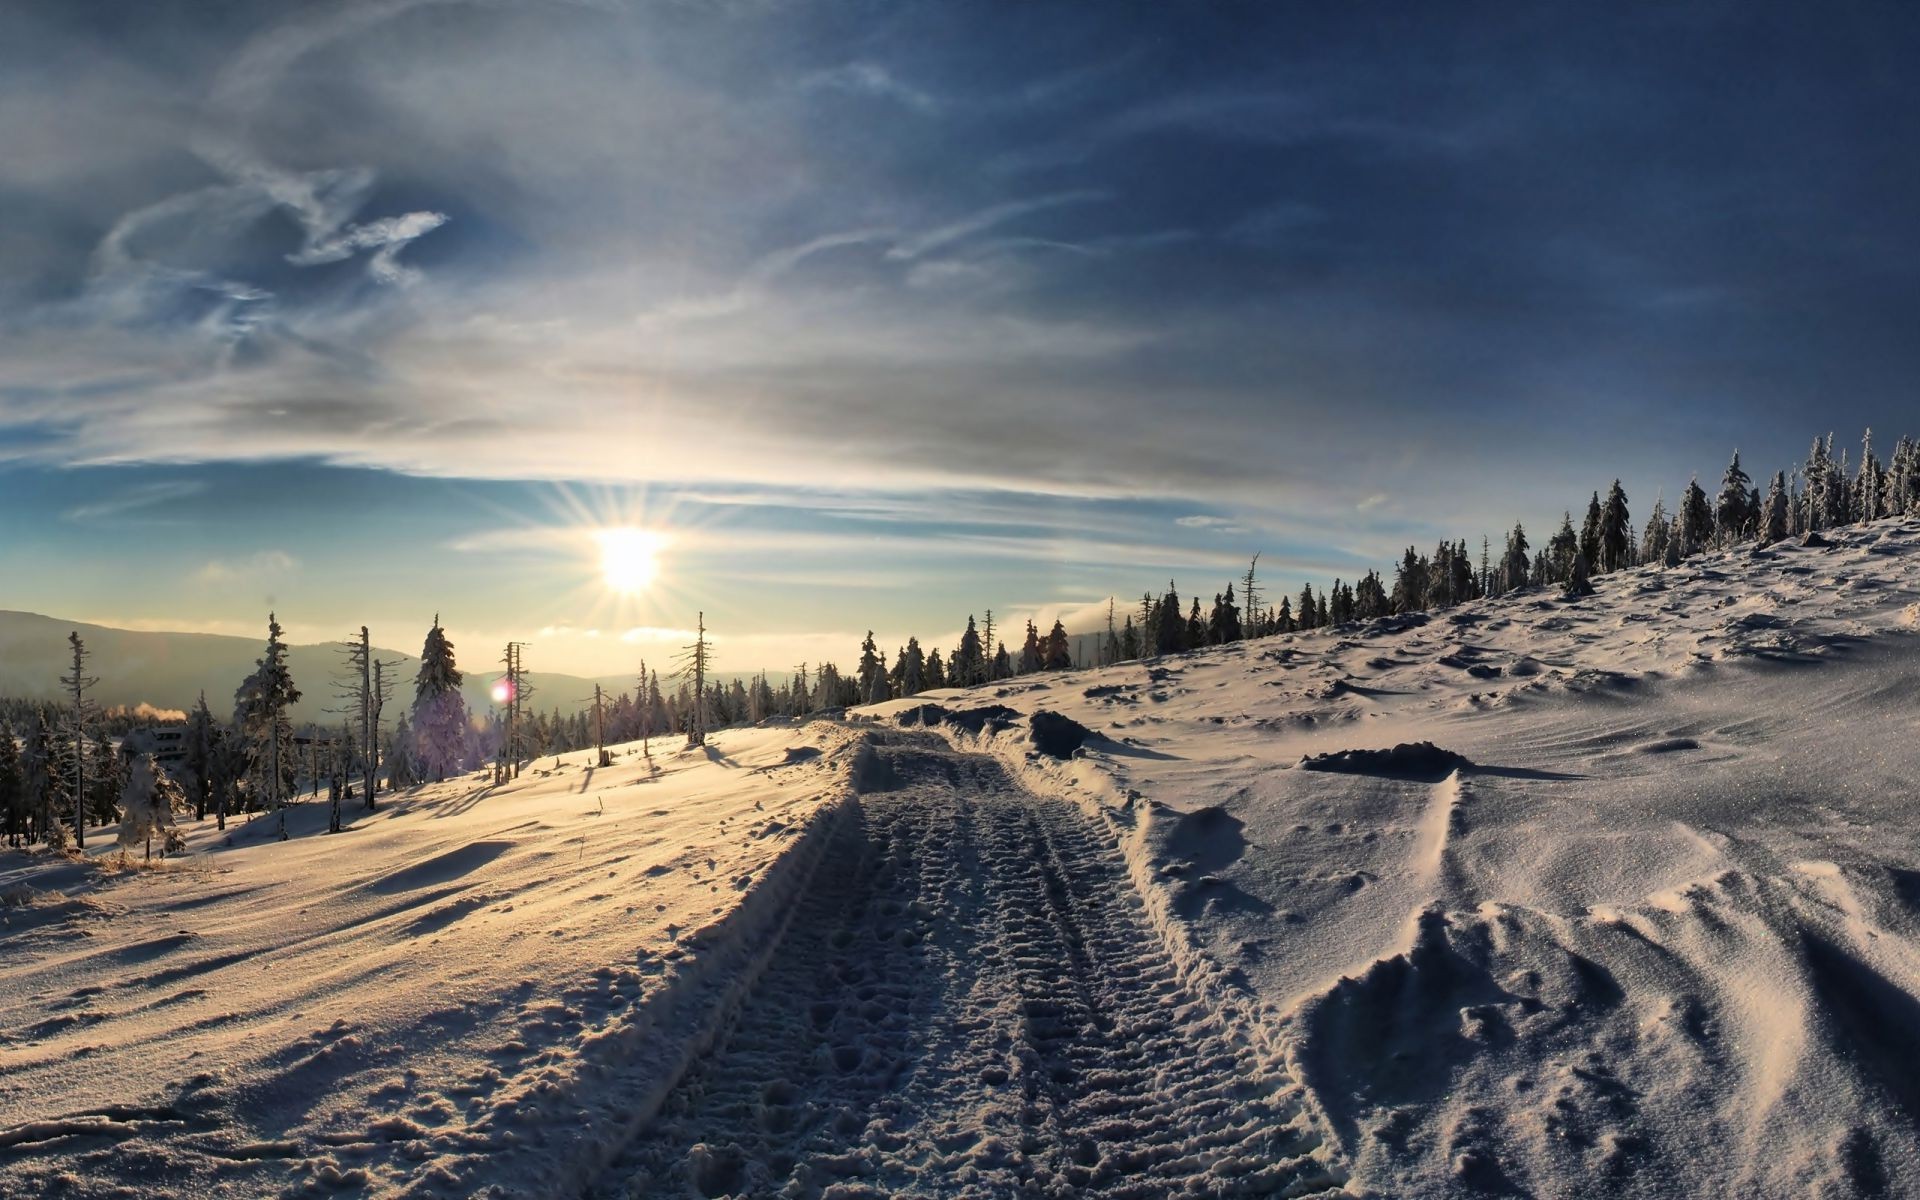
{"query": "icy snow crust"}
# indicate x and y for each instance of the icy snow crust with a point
(1612, 897)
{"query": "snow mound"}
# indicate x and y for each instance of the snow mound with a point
(1408, 760)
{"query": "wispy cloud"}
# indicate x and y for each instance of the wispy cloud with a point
(133, 499)
(261, 566)
(871, 79)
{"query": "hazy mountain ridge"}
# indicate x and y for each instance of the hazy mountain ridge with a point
(170, 670)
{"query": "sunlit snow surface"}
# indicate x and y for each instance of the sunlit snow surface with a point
(1649, 927)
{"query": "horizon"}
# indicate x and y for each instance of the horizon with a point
(871, 322)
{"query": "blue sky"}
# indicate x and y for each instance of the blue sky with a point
(889, 312)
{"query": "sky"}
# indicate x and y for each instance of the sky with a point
(880, 314)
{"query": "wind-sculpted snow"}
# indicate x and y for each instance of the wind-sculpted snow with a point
(1615, 896)
(1609, 896)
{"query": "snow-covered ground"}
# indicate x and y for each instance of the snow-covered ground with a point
(1641, 919)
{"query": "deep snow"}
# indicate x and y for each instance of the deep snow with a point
(1615, 897)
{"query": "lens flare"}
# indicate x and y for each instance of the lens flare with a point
(502, 691)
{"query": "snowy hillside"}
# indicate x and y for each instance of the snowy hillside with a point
(1609, 897)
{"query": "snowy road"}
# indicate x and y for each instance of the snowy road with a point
(971, 1002)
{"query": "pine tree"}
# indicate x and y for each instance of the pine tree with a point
(442, 740)
(1370, 598)
(1410, 583)
(260, 711)
(1616, 530)
(1196, 633)
(1306, 614)
(1670, 556)
(1285, 622)
(1002, 663)
(936, 671)
(1129, 641)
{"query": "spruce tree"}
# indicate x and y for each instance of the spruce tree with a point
(1562, 549)
(1002, 663)
(1032, 654)
(260, 711)
(1577, 582)
(1696, 520)
(442, 739)
(1653, 542)
(1732, 522)
(1616, 530)
(149, 800)
(1129, 640)
(1773, 513)
(873, 671)
(1057, 655)
(968, 665)
(13, 787)
(1513, 564)
(1171, 634)
(1590, 532)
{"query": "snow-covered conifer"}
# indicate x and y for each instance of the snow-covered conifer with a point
(149, 800)
(1774, 512)
(1616, 530)
(442, 739)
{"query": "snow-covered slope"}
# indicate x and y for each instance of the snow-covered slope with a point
(1643, 920)
(1612, 897)
(473, 986)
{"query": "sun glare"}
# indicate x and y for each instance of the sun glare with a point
(629, 558)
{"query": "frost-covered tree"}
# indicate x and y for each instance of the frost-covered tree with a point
(1370, 598)
(1562, 548)
(1653, 541)
(80, 711)
(1170, 634)
(1225, 625)
(46, 782)
(1196, 635)
(1732, 522)
(1057, 655)
(912, 670)
(1129, 640)
(1578, 581)
(401, 772)
(13, 787)
(106, 777)
(260, 712)
(1695, 520)
(1513, 564)
(149, 800)
(1670, 556)
(442, 738)
(1869, 485)
(1616, 530)
(936, 671)
(1002, 662)
(199, 752)
(968, 665)
(1032, 653)
(1590, 533)
(1774, 512)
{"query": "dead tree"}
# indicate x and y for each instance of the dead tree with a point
(77, 682)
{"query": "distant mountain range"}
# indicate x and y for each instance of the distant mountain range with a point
(170, 670)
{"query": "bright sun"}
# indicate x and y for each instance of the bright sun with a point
(629, 558)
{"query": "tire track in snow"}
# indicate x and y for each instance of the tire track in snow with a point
(972, 1002)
